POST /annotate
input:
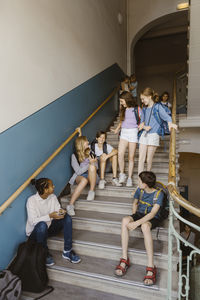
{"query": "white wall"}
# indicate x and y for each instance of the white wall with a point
(194, 61)
(49, 47)
(142, 12)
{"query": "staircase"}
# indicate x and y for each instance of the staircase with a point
(96, 238)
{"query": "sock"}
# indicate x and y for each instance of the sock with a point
(67, 251)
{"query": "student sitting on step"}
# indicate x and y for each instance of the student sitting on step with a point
(107, 158)
(85, 168)
(146, 214)
(130, 115)
(47, 218)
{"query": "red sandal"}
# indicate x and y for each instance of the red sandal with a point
(151, 277)
(123, 269)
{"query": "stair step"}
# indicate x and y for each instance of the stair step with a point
(98, 244)
(63, 291)
(111, 223)
(99, 273)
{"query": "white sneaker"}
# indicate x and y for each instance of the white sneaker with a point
(91, 195)
(70, 210)
(122, 177)
(116, 182)
(129, 182)
(102, 184)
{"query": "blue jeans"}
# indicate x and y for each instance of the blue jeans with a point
(41, 231)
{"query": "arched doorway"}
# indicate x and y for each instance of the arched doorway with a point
(158, 51)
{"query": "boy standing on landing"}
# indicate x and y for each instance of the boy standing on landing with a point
(146, 213)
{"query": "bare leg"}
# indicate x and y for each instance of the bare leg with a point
(124, 240)
(131, 154)
(142, 157)
(150, 154)
(114, 165)
(102, 168)
(82, 182)
(148, 242)
(92, 176)
(121, 151)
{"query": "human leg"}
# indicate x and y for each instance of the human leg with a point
(148, 242)
(115, 180)
(121, 151)
(150, 154)
(142, 157)
(92, 177)
(81, 184)
(131, 154)
(124, 241)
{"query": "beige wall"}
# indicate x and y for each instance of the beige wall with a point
(141, 13)
(49, 47)
(190, 175)
(194, 61)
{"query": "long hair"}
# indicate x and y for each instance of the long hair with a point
(130, 102)
(79, 147)
(150, 92)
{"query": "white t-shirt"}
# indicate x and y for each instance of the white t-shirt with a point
(38, 210)
(99, 152)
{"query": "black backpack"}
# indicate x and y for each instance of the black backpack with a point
(30, 266)
(10, 286)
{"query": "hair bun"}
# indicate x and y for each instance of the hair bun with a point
(33, 181)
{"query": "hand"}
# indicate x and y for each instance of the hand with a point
(147, 128)
(79, 131)
(172, 125)
(132, 225)
(92, 160)
(115, 131)
(56, 216)
(104, 157)
(141, 126)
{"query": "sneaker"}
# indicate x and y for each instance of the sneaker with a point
(71, 256)
(122, 177)
(70, 210)
(49, 261)
(102, 184)
(116, 182)
(91, 195)
(129, 182)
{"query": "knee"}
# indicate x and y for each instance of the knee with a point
(145, 227)
(84, 181)
(125, 221)
(41, 227)
(68, 220)
(120, 154)
(92, 168)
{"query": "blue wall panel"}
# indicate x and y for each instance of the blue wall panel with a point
(25, 146)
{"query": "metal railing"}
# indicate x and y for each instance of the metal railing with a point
(8, 202)
(175, 197)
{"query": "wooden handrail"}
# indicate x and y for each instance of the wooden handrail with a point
(172, 166)
(52, 156)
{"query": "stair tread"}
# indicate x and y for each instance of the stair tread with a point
(107, 217)
(114, 241)
(103, 199)
(104, 269)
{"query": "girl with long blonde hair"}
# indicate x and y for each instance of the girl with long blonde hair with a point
(85, 171)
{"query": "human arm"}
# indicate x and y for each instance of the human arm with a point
(134, 206)
(79, 131)
(111, 152)
(146, 218)
(116, 130)
(76, 166)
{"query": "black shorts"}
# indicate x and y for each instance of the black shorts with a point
(155, 222)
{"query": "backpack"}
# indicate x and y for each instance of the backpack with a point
(10, 286)
(164, 128)
(30, 266)
(137, 114)
(104, 146)
(164, 210)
